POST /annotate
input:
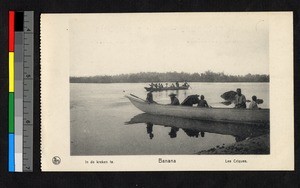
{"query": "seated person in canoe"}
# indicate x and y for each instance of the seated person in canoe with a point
(185, 84)
(253, 103)
(149, 98)
(202, 102)
(174, 100)
(161, 85)
(240, 99)
(151, 85)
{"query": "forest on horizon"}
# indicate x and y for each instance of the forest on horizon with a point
(144, 77)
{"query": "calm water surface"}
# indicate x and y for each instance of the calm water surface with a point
(104, 122)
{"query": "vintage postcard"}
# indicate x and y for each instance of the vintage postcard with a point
(167, 91)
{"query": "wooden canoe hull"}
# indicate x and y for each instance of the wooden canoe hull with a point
(167, 88)
(210, 114)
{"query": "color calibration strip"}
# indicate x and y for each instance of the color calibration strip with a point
(20, 91)
(11, 98)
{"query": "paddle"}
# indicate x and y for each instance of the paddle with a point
(137, 97)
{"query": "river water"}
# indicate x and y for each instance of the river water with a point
(104, 122)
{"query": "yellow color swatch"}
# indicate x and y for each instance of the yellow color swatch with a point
(11, 69)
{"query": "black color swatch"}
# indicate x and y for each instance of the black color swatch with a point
(19, 21)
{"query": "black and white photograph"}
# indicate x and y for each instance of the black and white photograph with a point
(169, 84)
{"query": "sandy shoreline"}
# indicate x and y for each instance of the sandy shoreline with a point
(256, 145)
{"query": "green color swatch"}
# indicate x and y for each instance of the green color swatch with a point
(11, 112)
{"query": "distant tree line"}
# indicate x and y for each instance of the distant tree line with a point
(143, 77)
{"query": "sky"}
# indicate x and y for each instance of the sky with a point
(110, 44)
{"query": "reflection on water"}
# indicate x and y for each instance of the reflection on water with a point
(150, 130)
(193, 133)
(173, 132)
(194, 128)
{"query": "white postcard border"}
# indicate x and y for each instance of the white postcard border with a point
(55, 107)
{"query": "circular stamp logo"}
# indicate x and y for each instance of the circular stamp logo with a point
(56, 160)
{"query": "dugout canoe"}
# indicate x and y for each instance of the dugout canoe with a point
(194, 125)
(167, 88)
(245, 116)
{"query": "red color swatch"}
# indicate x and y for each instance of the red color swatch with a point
(11, 31)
